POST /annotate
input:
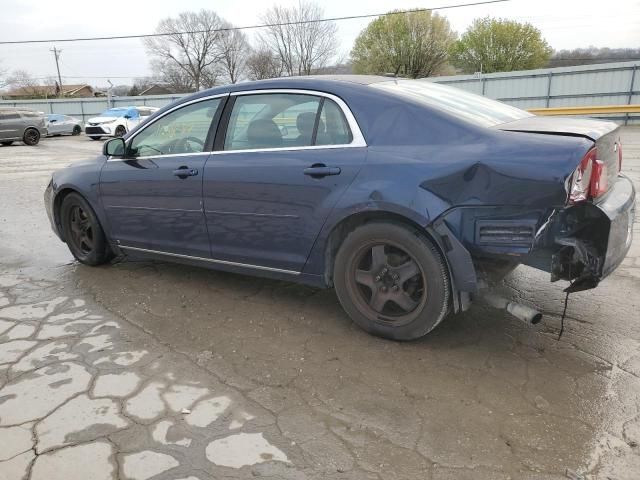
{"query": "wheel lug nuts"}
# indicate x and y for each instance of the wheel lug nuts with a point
(396, 288)
(377, 278)
(384, 289)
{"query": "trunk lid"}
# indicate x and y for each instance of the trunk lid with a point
(604, 134)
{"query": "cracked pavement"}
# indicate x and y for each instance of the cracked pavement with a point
(150, 370)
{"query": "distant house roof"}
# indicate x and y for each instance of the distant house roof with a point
(50, 91)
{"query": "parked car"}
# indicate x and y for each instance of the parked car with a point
(20, 125)
(117, 121)
(63, 125)
(405, 195)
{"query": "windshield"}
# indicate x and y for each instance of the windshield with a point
(114, 112)
(460, 103)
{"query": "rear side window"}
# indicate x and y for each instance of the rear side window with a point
(285, 120)
(333, 128)
(272, 120)
(9, 116)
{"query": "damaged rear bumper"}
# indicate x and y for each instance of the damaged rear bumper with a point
(590, 240)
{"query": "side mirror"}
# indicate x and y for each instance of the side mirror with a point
(53, 121)
(127, 116)
(114, 148)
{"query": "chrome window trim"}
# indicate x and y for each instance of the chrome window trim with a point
(358, 140)
(211, 260)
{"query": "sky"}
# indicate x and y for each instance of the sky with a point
(565, 24)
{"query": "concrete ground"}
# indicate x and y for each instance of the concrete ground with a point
(153, 370)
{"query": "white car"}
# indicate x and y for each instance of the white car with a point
(117, 121)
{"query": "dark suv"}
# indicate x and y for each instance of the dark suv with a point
(19, 125)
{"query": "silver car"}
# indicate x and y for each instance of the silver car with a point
(20, 125)
(58, 124)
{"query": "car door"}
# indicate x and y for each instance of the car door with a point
(67, 124)
(153, 196)
(55, 124)
(10, 125)
(282, 161)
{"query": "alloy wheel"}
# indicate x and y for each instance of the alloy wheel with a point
(388, 282)
(81, 230)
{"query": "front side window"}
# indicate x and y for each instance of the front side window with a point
(182, 131)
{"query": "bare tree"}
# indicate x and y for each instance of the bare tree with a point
(28, 86)
(175, 77)
(189, 49)
(262, 63)
(234, 50)
(295, 35)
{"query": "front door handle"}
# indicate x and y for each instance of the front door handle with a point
(184, 172)
(319, 170)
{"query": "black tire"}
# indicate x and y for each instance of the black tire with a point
(6, 144)
(95, 138)
(31, 136)
(82, 231)
(380, 263)
(120, 131)
(77, 130)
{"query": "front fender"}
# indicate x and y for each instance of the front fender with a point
(82, 177)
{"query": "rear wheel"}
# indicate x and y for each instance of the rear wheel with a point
(83, 232)
(120, 131)
(76, 130)
(31, 137)
(6, 144)
(392, 281)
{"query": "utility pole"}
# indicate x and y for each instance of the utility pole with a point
(56, 54)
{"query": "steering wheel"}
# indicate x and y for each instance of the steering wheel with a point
(183, 144)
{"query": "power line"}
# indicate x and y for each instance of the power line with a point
(251, 27)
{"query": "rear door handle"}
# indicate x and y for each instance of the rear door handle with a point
(184, 172)
(321, 170)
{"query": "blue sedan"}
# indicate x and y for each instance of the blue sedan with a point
(410, 198)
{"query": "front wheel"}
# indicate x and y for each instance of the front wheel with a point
(392, 281)
(120, 131)
(83, 232)
(77, 130)
(31, 137)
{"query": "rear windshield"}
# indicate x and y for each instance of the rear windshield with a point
(460, 103)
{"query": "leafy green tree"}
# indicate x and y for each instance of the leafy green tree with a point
(497, 45)
(413, 44)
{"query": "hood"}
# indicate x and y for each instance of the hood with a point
(577, 127)
(101, 119)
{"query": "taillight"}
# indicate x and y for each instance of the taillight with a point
(581, 178)
(619, 156)
(598, 179)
